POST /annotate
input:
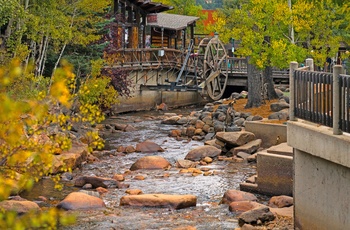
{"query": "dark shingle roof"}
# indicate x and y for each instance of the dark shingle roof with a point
(147, 6)
(173, 21)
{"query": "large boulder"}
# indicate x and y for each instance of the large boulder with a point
(148, 147)
(81, 201)
(236, 195)
(235, 138)
(201, 152)
(71, 158)
(19, 206)
(150, 162)
(159, 200)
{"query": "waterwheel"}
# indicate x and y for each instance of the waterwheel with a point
(212, 65)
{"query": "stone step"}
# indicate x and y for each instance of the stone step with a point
(281, 149)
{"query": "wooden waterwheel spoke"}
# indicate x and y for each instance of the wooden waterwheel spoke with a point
(214, 74)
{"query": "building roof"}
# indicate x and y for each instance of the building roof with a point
(173, 21)
(148, 6)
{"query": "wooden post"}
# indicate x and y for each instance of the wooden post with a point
(292, 68)
(337, 69)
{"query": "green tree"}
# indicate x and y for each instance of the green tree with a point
(273, 33)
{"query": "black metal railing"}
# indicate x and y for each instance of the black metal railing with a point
(344, 102)
(313, 96)
(319, 97)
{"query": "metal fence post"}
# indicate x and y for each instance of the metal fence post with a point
(292, 68)
(337, 69)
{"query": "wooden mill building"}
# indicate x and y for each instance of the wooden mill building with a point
(144, 25)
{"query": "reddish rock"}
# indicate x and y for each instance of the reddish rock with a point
(148, 147)
(19, 206)
(236, 195)
(130, 149)
(119, 177)
(162, 107)
(175, 133)
(243, 206)
(201, 152)
(190, 131)
(81, 201)
(121, 149)
(150, 162)
(159, 200)
(101, 190)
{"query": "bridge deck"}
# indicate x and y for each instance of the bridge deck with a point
(171, 59)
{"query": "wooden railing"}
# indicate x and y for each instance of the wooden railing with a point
(320, 97)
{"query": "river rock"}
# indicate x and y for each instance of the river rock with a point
(254, 216)
(171, 120)
(235, 138)
(159, 200)
(249, 148)
(281, 115)
(278, 106)
(281, 201)
(19, 206)
(236, 195)
(201, 152)
(96, 182)
(124, 127)
(199, 124)
(243, 206)
(212, 143)
(175, 133)
(185, 164)
(150, 162)
(81, 201)
(71, 158)
(129, 149)
(148, 147)
(133, 191)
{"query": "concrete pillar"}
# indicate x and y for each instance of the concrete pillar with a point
(337, 69)
(310, 63)
(292, 68)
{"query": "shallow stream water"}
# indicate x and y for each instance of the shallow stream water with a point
(208, 214)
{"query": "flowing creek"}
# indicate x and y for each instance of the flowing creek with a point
(208, 214)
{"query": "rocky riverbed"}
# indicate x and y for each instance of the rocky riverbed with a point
(179, 190)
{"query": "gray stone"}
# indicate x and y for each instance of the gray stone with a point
(262, 214)
(278, 106)
(249, 148)
(201, 152)
(235, 138)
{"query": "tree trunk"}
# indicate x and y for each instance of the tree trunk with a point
(269, 84)
(254, 86)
